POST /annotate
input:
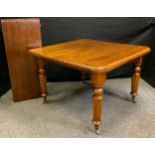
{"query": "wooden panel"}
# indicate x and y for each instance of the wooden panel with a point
(20, 35)
(91, 55)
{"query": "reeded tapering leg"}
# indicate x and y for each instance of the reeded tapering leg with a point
(42, 78)
(135, 78)
(98, 80)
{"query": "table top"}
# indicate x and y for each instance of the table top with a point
(91, 55)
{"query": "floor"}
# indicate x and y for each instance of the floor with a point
(67, 112)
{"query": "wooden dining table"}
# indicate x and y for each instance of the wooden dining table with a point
(95, 58)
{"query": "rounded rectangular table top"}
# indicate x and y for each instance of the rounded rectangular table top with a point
(91, 55)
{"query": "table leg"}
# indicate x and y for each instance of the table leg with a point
(42, 78)
(98, 81)
(83, 75)
(135, 78)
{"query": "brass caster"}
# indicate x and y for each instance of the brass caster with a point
(97, 132)
(44, 99)
(97, 129)
(134, 99)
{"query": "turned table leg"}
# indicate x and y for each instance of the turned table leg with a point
(42, 78)
(98, 81)
(135, 78)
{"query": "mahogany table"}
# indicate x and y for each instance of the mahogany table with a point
(96, 58)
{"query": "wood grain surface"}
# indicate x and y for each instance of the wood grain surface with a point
(20, 35)
(91, 55)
